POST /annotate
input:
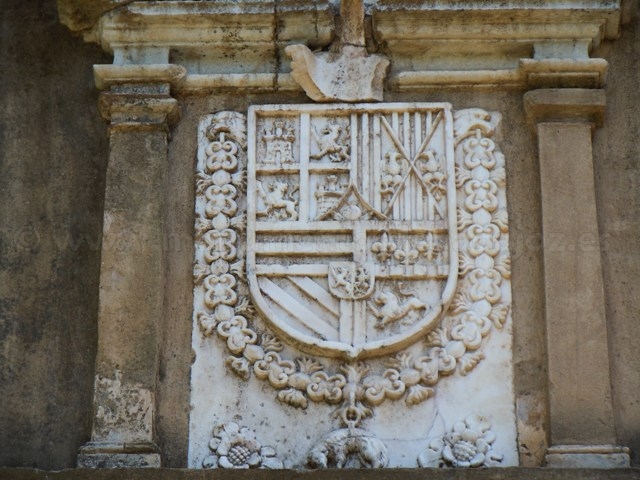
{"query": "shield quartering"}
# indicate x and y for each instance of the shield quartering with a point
(352, 247)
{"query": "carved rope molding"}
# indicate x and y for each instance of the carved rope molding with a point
(454, 347)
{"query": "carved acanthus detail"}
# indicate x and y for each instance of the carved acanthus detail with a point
(484, 264)
(218, 226)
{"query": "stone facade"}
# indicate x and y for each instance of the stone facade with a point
(110, 240)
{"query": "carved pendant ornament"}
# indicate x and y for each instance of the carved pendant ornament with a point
(370, 239)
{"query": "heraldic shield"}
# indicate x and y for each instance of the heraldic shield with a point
(351, 223)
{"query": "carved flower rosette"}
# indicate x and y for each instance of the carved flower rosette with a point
(303, 172)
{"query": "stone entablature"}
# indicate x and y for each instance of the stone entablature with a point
(227, 45)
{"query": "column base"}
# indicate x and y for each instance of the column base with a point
(119, 455)
(587, 456)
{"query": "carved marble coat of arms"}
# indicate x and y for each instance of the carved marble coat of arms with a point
(349, 257)
(351, 222)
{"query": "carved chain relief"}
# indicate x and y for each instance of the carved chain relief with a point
(349, 257)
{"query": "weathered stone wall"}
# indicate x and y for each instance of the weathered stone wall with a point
(617, 173)
(54, 150)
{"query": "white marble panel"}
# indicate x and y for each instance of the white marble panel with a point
(352, 294)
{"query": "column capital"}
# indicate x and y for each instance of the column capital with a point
(138, 96)
(579, 105)
(107, 76)
(135, 107)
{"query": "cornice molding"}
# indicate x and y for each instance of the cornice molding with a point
(108, 75)
(239, 46)
(481, 19)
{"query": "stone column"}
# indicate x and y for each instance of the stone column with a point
(131, 277)
(582, 432)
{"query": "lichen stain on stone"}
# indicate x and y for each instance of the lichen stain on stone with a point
(122, 409)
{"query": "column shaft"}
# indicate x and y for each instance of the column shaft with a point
(131, 282)
(581, 414)
(580, 394)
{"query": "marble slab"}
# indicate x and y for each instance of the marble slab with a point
(352, 294)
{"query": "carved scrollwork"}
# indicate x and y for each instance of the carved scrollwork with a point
(218, 230)
(484, 263)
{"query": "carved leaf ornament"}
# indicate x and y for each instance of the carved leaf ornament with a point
(358, 231)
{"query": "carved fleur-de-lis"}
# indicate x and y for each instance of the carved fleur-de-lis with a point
(408, 255)
(383, 249)
(430, 248)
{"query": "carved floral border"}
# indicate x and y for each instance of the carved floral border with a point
(454, 347)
